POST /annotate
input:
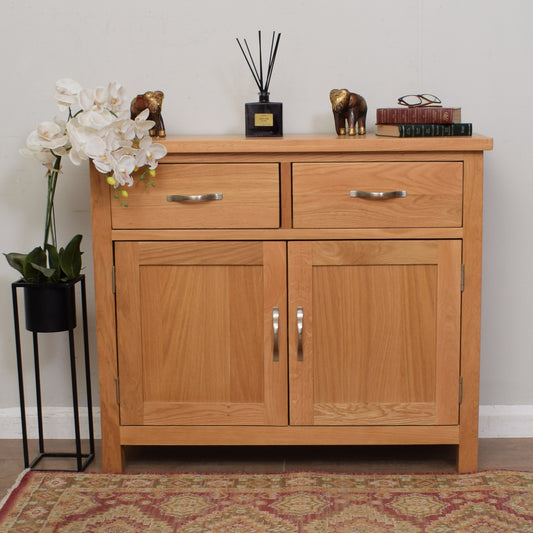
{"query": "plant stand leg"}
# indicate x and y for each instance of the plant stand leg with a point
(75, 406)
(20, 377)
(87, 367)
(38, 392)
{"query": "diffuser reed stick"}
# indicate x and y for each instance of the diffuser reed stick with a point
(262, 82)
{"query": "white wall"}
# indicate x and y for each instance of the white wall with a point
(474, 54)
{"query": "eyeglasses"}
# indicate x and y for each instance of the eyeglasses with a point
(419, 100)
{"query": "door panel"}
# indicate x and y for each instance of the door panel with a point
(381, 332)
(195, 333)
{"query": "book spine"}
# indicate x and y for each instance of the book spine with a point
(414, 115)
(435, 130)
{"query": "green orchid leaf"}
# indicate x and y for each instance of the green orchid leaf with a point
(36, 258)
(46, 272)
(16, 260)
(53, 261)
(70, 258)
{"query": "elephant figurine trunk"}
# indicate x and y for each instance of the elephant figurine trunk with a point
(348, 107)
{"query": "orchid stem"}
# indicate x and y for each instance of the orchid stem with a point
(50, 223)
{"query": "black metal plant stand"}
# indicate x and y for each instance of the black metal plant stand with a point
(82, 459)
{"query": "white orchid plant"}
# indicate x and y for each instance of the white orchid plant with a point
(98, 128)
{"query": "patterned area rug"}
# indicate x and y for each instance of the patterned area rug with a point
(497, 501)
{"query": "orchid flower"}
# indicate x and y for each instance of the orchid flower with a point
(67, 92)
(95, 113)
(116, 96)
(48, 135)
(123, 169)
(138, 127)
(78, 137)
(149, 152)
(43, 155)
(97, 150)
(46, 143)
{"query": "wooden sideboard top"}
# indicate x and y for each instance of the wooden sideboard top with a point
(321, 143)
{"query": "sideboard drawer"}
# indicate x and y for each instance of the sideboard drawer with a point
(200, 195)
(380, 194)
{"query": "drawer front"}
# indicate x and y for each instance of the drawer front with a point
(199, 195)
(402, 194)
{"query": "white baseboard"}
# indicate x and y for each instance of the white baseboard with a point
(58, 423)
(507, 421)
(495, 421)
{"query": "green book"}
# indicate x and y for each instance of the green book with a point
(425, 130)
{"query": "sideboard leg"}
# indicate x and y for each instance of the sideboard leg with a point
(467, 456)
(113, 458)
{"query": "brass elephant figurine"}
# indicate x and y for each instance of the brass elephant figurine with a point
(349, 107)
(152, 100)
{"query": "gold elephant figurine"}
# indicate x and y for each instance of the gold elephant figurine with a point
(348, 107)
(152, 100)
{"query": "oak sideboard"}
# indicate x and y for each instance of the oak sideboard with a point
(303, 290)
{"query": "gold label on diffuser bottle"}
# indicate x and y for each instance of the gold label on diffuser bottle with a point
(264, 119)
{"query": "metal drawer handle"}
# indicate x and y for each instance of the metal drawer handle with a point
(194, 197)
(275, 327)
(378, 195)
(300, 326)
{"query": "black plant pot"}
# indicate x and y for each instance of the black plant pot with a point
(50, 307)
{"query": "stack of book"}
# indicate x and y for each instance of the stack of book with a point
(426, 121)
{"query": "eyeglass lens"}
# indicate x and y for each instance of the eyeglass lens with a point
(419, 99)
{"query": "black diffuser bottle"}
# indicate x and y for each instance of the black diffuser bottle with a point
(263, 118)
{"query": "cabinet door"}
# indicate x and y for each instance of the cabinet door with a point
(377, 339)
(196, 333)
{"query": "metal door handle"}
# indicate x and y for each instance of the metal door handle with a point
(300, 327)
(275, 328)
(194, 197)
(378, 195)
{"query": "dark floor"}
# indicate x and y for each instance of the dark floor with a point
(512, 454)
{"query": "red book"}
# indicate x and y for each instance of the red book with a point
(418, 115)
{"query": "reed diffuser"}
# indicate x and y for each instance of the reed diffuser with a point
(263, 118)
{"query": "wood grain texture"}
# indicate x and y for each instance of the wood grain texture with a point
(105, 320)
(200, 253)
(448, 331)
(195, 329)
(300, 277)
(374, 413)
(286, 194)
(309, 234)
(471, 317)
(288, 435)
(275, 295)
(373, 345)
(434, 194)
(382, 252)
(250, 198)
(320, 143)
(129, 333)
(401, 388)
(167, 413)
